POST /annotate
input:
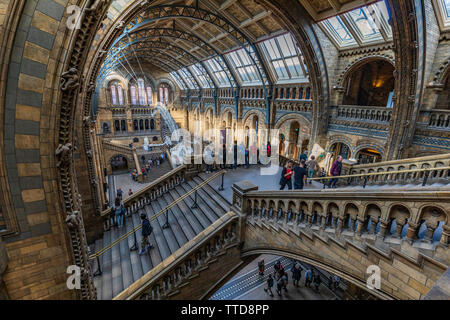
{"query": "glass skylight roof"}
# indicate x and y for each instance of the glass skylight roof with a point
(201, 77)
(217, 72)
(180, 83)
(446, 4)
(244, 66)
(442, 8)
(187, 76)
(285, 57)
(360, 26)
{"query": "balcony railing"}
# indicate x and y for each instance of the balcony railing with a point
(364, 113)
(439, 119)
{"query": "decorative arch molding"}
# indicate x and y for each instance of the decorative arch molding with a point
(130, 161)
(146, 77)
(352, 66)
(116, 77)
(442, 73)
(363, 144)
(292, 116)
(342, 139)
(249, 113)
(167, 81)
(420, 212)
(226, 110)
(361, 283)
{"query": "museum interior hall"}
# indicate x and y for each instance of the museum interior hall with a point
(225, 149)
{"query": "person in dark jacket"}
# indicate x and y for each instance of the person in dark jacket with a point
(335, 171)
(296, 273)
(286, 176)
(146, 231)
(317, 281)
(269, 285)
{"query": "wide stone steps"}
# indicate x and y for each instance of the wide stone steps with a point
(121, 267)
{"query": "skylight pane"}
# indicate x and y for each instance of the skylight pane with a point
(365, 23)
(293, 65)
(340, 29)
(177, 79)
(446, 5)
(217, 71)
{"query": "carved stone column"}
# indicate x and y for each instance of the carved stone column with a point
(339, 226)
(360, 226)
(383, 227)
(3, 265)
(445, 235)
(411, 236)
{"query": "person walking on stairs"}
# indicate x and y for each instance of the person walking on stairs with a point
(146, 231)
(261, 267)
(335, 171)
(308, 278)
(269, 285)
(317, 281)
(296, 274)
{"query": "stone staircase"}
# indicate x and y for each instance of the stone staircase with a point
(121, 267)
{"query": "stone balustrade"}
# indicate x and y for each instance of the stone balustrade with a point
(439, 119)
(346, 232)
(214, 249)
(435, 161)
(384, 215)
(154, 190)
(364, 113)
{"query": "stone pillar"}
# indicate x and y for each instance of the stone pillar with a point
(240, 204)
(430, 231)
(383, 228)
(445, 235)
(373, 226)
(339, 226)
(3, 265)
(360, 226)
(398, 230)
(411, 236)
(323, 222)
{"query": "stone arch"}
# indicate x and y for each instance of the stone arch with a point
(261, 117)
(355, 64)
(292, 116)
(343, 273)
(442, 73)
(364, 144)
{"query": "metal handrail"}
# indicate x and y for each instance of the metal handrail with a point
(381, 173)
(162, 211)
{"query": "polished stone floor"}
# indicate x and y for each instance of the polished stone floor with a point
(247, 284)
(255, 175)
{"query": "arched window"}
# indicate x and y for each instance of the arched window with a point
(113, 95)
(141, 87)
(166, 96)
(133, 95)
(120, 94)
(149, 95)
(161, 94)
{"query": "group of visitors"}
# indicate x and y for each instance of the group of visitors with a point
(307, 169)
(153, 162)
(280, 278)
(300, 174)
